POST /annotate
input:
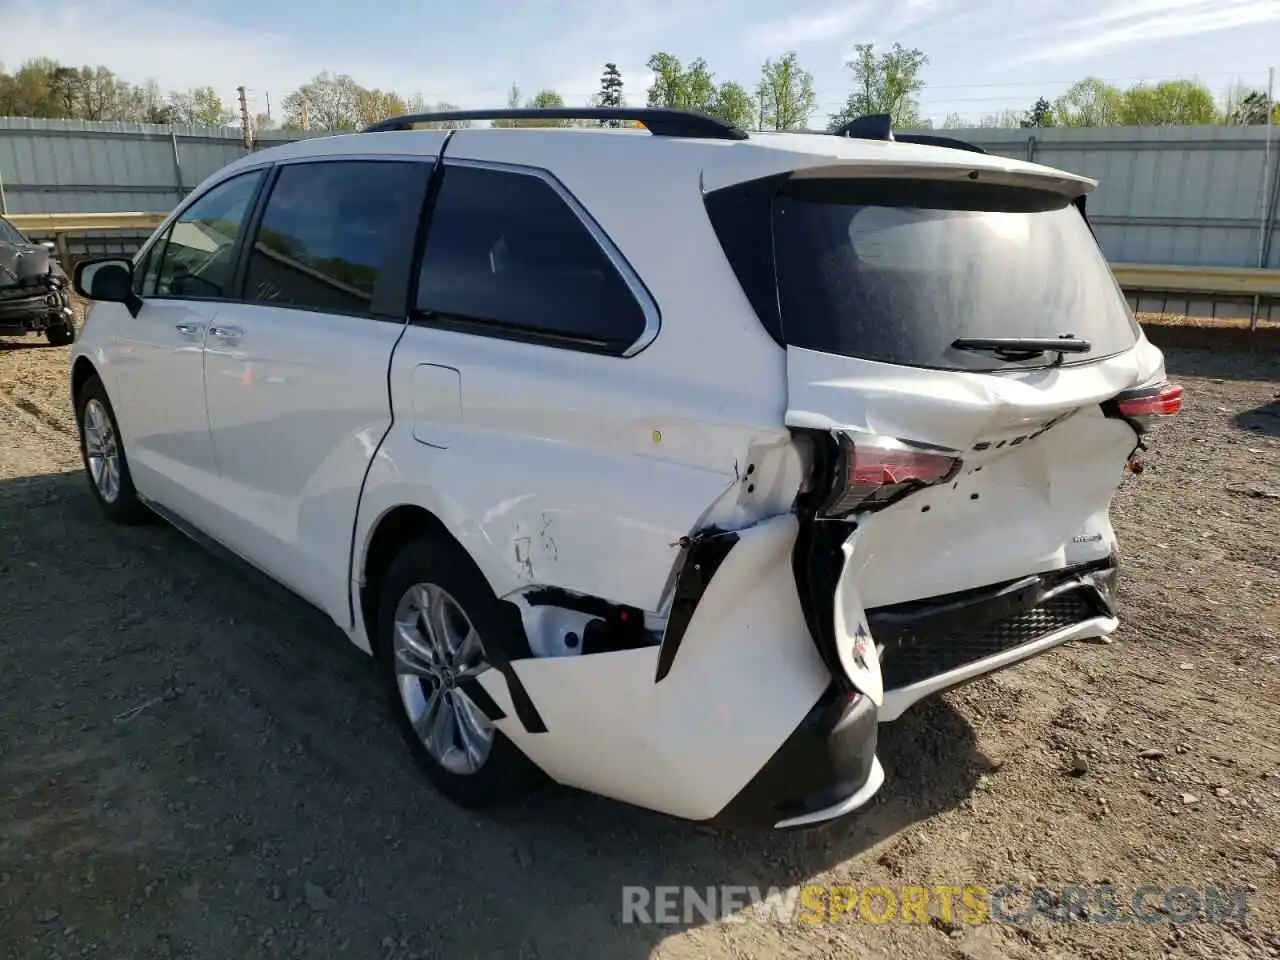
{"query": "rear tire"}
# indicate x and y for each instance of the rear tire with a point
(431, 593)
(105, 463)
(61, 336)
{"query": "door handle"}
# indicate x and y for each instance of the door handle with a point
(230, 334)
(189, 329)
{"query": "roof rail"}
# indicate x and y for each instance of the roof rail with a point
(659, 121)
(879, 126)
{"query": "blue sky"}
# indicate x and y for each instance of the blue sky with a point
(985, 55)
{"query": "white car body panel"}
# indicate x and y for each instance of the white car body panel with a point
(297, 405)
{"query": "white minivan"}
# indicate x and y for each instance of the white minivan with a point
(665, 463)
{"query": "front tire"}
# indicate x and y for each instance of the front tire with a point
(434, 613)
(105, 463)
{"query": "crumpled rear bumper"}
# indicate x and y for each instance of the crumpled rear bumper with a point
(827, 768)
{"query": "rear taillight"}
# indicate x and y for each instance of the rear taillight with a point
(873, 472)
(1143, 406)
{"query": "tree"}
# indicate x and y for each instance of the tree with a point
(199, 107)
(787, 99)
(681, 88)
(546, 100)
(889, 83)
(325, 103)
(733, 104)
(513, 103)
(1171, 102)
(1245, 106)
(1040, 114)
(610, 94)
(1090, 102)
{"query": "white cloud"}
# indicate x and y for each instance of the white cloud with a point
(1142, 22)
(822, 26)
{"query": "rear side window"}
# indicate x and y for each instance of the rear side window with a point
(507, 256)
(329, 231)
(895, 271)
(196, 259)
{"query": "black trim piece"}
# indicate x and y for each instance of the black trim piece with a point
(816, 557)
(502, 649)
(248, 232)
(424, 227)
(828, 757)
(873, 126)
(701, 556)
(501, 331)
(480, 697)
(659, 121)
(923, 638)
(742, 217)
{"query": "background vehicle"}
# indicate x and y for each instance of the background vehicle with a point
(33, 289)
(669, 483)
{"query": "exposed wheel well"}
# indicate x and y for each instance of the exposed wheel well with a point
(398, 527)
(80, 374)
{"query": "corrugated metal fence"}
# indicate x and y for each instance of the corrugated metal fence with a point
(1167, 195)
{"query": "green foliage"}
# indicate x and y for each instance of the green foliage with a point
(787, 98)
(42, 87)
(889, 83)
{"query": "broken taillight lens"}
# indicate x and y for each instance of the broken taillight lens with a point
(875, 471)
(1144, 405)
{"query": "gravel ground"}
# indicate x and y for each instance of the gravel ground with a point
(194, 765)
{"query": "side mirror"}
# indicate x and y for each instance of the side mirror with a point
(108, 279)
(50, 246)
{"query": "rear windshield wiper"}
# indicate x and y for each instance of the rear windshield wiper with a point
(1023, 348)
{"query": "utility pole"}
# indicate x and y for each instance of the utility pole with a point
(760, 126)
(246, 123)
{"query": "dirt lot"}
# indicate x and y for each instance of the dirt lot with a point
(192, 765)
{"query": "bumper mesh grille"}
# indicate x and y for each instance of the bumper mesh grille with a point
(918, 659)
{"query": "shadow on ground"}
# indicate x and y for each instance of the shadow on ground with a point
(1264, 419)
(199, 765)
(1223, 364)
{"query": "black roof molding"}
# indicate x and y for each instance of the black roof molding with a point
(659, 121)
(879, 126)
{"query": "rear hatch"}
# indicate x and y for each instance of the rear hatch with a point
(954, 351)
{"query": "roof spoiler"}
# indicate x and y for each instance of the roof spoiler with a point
(659, 121)
(879, 126)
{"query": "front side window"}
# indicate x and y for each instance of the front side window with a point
(506, 255)
(198, 257)
(329, 230)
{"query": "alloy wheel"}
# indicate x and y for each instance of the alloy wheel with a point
(438, 656)
(102, 450)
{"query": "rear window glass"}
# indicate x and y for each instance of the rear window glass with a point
(895, 271)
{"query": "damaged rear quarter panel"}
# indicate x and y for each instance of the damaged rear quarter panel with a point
(575, 470)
